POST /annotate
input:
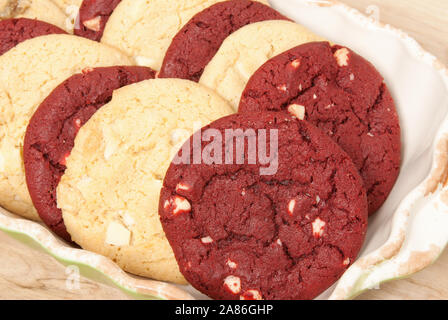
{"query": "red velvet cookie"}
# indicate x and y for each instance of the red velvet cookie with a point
(93, 16)
(15, 31)
(343, 95)
(238, 234)
(199, 40)
(52, 130)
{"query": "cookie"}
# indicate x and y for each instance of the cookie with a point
(28, 74)
(244, 51)
(44, 10)
(15, 31)
(144, 29)
(240, 233)
(52, 130)
(93, 16)
(345, 96)
(199, 40)
(109, 193)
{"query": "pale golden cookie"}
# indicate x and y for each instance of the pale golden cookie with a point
(144, 29)
(109, 194)
(247, 49)
(44, 10)
(28, 74)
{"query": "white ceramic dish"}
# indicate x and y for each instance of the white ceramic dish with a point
(409, 232)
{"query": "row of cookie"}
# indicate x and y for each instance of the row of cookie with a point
(25, 91)
(117, 228)
(216, 49)
(112, 174)
(35, 74)
(156, 22)
(238, 234)
(49, 90)
(331, 87)
(113, 157)
(15, 31)
(222, 53)
(218, 43)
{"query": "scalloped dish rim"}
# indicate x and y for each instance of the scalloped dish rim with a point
(355, 281)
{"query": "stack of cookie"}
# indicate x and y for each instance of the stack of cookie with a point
(283, 143)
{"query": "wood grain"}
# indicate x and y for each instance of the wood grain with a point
(28, 274)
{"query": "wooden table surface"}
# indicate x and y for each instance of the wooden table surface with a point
(28, 274)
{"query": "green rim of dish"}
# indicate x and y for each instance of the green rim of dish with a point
(86, 270)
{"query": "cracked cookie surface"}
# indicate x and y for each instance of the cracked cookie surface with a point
(237, 234)
(52, 130)
(109, 193)
(199, 40)
(343, 95)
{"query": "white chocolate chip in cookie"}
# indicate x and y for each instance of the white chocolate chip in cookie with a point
(117, 235)
(231, 264)
(109, 150)
(143, 61)
(341, 56)
(181, 205)
(93, 24)
(318, 228)
(251, 295)
(128, 220)
(295, 64)
(297, 111)
(291, 206)
(182, 187)
(282, 88)
(87, 70)
(233, 284)
(207, 240)
(112, 143)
